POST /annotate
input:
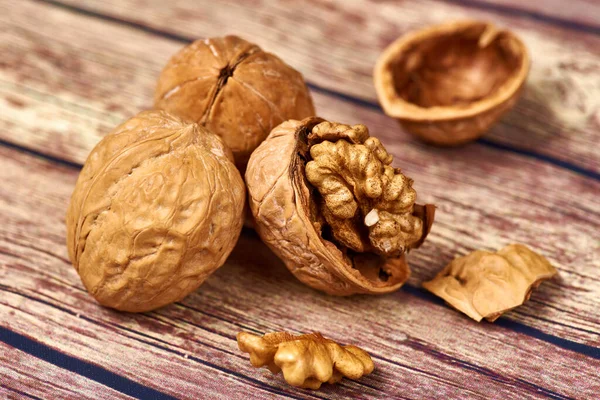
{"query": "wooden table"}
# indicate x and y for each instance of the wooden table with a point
(73, 69)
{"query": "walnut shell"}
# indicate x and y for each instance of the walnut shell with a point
(486, 285)
(286, 210)
(235, 89)
(448, 84)
(157, 208)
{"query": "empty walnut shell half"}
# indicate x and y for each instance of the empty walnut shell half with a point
(157, 208)
(326, 200)
(235, 89)
(486, 285)
(448, 84)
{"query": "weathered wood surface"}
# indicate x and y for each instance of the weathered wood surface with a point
(557, 116)
(486, 198)
(422, 349)
(25, 376)
(581, 14)
(66, 78)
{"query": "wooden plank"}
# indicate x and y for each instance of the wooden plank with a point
(421, 348)
(22, 374)
(557, 116)
(582, 14)
(486, 198)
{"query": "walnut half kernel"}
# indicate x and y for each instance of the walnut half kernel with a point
(360, 189)
(486, 285)
(306, 361)
(327, 201)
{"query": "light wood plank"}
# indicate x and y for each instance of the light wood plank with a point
(558, 115)
(486, 198)
(579, 12)
(31, 376)
(421, 348)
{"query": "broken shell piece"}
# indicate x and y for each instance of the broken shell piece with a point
(486, 285)
(307, 361)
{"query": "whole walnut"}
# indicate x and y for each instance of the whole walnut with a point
(157, 208)
(235, 89)
(326, 200)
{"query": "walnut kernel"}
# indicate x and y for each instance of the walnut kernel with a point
(352, 170)
(306, 361)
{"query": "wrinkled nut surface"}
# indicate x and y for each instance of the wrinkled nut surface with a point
(307, 361)
(449, 83)
(326, 200)
(157, 208)
(235, 89)
(486, 285)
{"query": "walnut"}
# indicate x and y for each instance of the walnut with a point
(448, 84)
(235, 89)
(307, 361)
(326, 200)
(157, 208)
(486, 285)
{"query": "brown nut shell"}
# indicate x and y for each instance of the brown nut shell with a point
(448, 84)
(285, 210)
(486, 285)
(157, 208)
(235, 89)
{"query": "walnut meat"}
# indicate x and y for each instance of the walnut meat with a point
(157, 208)
(235, 89)
(486, 285)
(307, 361)
(326, 200)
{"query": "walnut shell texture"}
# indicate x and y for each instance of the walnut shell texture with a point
(448, 84)
(286, 214)
(235, 89)
(157, 208)
(306, 361)
(486, 285)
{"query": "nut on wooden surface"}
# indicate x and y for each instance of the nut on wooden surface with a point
(325, 199)
(235, 89)
(157, 208)
(486, 285)
(448, 84)
(306, 361)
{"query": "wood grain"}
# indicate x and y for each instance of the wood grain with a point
(421, 349)
(26, 376)
(582, 12)
(486, 198)
(558, 115)
(66, 78)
